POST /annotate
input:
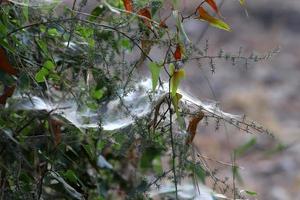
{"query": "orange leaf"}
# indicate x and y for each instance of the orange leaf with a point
(193, 124)
(212, 20)
(5, 65)
(145, 12)
(178, 52)
(8, 92)
(128, 5)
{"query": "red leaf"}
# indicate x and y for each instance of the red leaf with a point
(8, 92)
(128, 5)
(193, 124)
(178, 52)
(213, 5)
(145, 12)
(5, 65)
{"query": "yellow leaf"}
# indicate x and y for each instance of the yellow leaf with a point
(176, 76)
(212, 20)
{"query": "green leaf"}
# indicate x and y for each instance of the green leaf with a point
(71, 176)
(251, 193)
(49, 65)
(155, 71)
(97, 94)
(53, 32)
(41, 75)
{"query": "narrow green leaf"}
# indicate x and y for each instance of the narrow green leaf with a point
(251, 193)
(155, 71)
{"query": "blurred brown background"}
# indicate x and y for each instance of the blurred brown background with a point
(267, 92)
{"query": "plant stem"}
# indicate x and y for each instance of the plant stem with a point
(172, 140)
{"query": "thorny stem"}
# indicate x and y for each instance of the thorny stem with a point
(172, 140)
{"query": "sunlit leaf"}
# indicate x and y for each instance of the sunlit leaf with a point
(192, 127)
(203, 15)
(155, 71)
(177, 76)
(49, 65)
(44, 71)
(41, 75)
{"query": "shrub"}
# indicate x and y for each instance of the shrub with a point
(81, 118)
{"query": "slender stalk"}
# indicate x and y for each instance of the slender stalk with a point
(172, 140)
